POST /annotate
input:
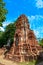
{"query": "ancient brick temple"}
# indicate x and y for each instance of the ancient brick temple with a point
(25, 46)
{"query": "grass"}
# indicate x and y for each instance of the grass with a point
(27, 63)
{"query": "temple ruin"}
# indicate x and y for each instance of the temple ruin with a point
(25, 46)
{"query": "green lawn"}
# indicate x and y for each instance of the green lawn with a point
(27, 63)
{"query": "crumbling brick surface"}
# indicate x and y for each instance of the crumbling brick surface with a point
(25, 46)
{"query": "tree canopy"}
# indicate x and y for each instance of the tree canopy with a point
(8, 34)
(41, 42)
(3, 12)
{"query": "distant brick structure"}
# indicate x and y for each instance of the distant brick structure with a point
(25, 46)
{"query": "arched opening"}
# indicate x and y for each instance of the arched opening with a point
(17, 40)
(31, 36)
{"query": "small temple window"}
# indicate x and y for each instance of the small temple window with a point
(17, 40)
(30, 36)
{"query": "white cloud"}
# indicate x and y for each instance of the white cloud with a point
(39, 3)
(6, 23)
(36, 17)
(39, 32)
(1, 29)
(35, 20)
(31, 17)
(36, 32)
(36, 24)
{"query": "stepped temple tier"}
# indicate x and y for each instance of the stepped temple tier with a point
(25, 46)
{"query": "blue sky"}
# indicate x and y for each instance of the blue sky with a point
(33, 9)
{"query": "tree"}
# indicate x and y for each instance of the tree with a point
(1, 36)
(41, 42)
(3, 12)
(8, 34)
(9, 31)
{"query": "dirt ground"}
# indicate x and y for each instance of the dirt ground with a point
(6, 62)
